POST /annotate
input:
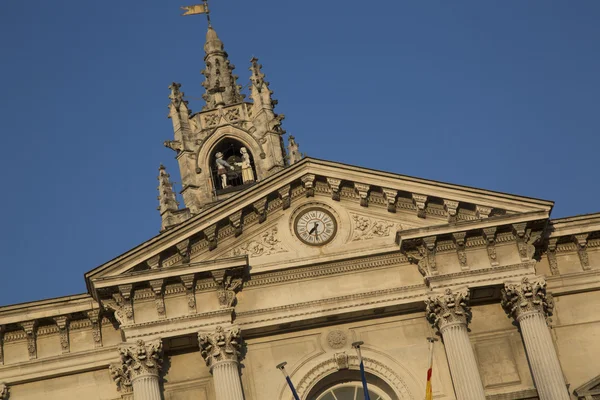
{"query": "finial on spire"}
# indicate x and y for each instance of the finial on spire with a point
(293, 151)
(176, 96)
(166, 195)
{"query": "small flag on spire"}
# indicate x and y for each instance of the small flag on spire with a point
(195, 9)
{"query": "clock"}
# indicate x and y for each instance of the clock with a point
(315, 226)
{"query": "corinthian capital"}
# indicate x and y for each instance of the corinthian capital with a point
(525, 297)
(141, 358)
(220, 345)
(449, 307)
(121, 374)
(3, 391)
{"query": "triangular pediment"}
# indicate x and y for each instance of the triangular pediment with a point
(368, 206)
(590, 388)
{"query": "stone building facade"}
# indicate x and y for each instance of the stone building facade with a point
(277, 257)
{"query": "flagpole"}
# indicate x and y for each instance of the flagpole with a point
(363, 377)
(281, 367)
(428, 388)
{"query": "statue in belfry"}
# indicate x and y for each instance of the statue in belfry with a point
(222, 166)
(247, 173)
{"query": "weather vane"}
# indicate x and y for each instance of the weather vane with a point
(198, 9)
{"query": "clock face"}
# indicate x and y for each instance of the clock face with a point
(315, 226)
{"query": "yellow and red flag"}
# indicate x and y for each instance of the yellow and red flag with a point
(428, 390)
(195, 9)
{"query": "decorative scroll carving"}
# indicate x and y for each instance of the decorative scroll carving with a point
(341, 360)
(121, 374)
(581, 242)
(552, 261)
(260, 207)
(420, 201)
(30, 328)
(459, 241)
(451, 208)
(3, 391)
(522, 234)
(448, 308)
(430, 249)
(230, 282)
(63, 330)
(189, 284)
(211, 236)
(308, 183)
(334, 184)
(157, 288)
(286, 199)
(141, 358)
(489, 234)
(94, 317)
(390, 196)
(528, 296)
(363, 192)
(482, 211)
(122, 308)
(236, 221)
(220, 345)
(154, 262)
(419, 258)
(183, 248)
(264, 245)
(367, 228)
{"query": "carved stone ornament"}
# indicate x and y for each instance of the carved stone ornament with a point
(581, 242)
(337, 339)
(450, 307)
(519, 299)
(264, 245)
(420, 201)
(363, 193)
(121, 374)
(94, 317)
(390, 197)
(451, 208)
(3, 391)
(141, 358)
(365, 228)
(334, 184)
(489, 235)
(341, 359)
(63, 329)
(551, 254)
(284, 193)
(459, 241)
(308, 182)
(220, 345)
(230, 282)
(30, 328)
(189, 283)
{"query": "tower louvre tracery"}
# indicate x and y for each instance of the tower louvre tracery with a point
(226, 124)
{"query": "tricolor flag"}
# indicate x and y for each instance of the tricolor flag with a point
(195, 9)
(428, 390)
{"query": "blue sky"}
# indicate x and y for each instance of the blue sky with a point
(499, 95)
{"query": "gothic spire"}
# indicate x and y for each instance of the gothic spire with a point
(220, 83)
(260, 92)
(168, 205)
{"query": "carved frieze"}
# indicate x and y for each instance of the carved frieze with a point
(519, 299)
(581, 242)
(451, 208)
(220, 345)
(551, 253)
(448, 308)
(265, 244)
(365, 228)
(189, 283)
(420, 201)
(94, 317)
(141, 358)
(30, 328)
(334, 184)
(62, 323)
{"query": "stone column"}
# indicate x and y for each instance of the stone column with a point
(138, 370)
(220, 350)
(450, 314)
(529, 305)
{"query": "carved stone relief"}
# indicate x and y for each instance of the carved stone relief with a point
(365, 228)
(265, 244)
(337, 339)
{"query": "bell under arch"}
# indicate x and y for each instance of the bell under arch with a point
(231, 166)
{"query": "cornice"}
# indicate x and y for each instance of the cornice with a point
(47, 308)
(577, 282)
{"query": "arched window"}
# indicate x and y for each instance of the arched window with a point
(351, 391)
(232, 166)
(346, 385)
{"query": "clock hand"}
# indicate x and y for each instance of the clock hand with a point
(314, 228)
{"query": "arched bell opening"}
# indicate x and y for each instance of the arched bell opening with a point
(232, 166)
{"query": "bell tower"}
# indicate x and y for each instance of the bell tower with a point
(232, 143)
